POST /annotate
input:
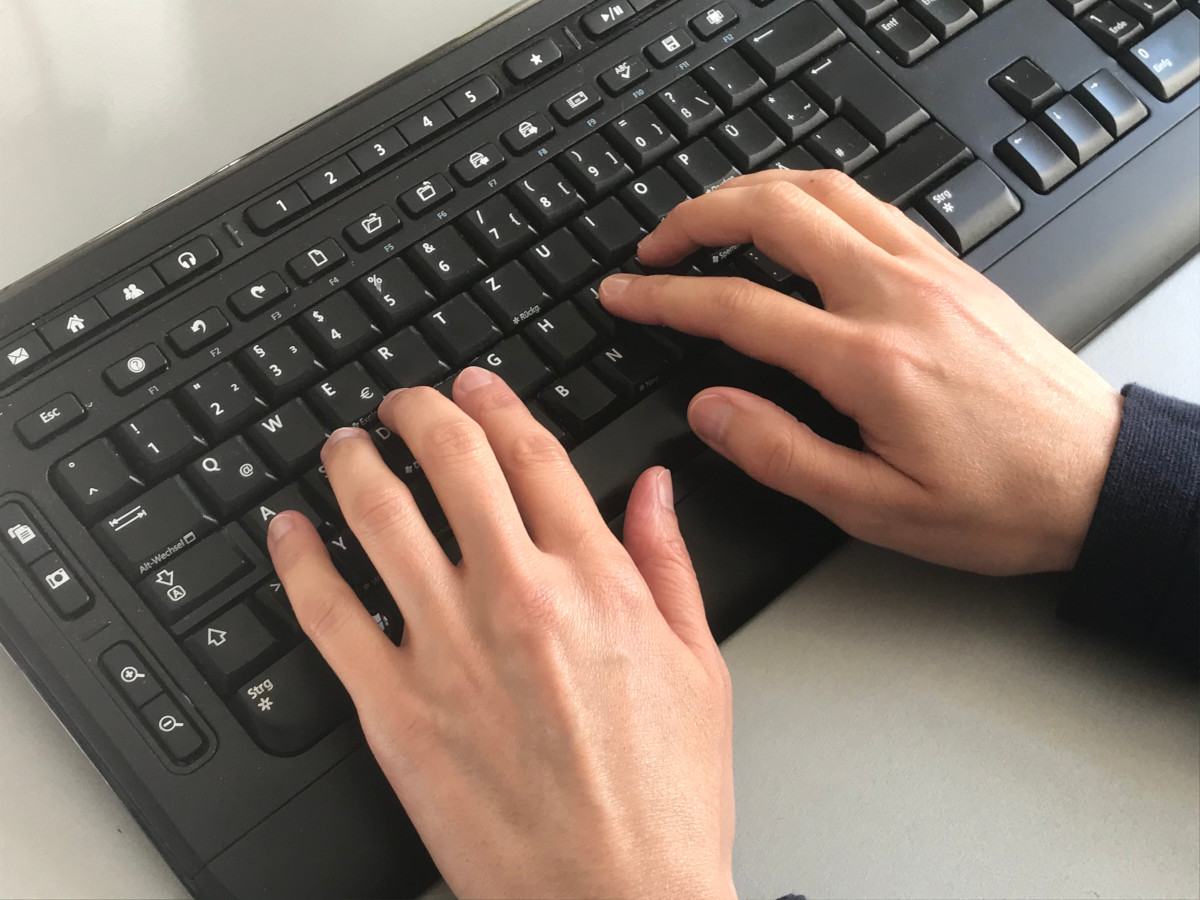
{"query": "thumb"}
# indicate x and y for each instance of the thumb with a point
(653, 541)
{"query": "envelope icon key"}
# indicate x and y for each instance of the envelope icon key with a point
(18, 356)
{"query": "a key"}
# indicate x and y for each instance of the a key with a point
(158, 439)
(631, 364)
(477, 164)
(316, 261)
(229, 476)
(713, 21)
(258, 519)
(335, 175)
(231, 646)
(262, 294)
(510, 295)
(348, 396)
(20, 355)
(798, 36)
(1168, 60)
(595, 167)
(496, 229)
(653, 195)
(1150, 13)
(199, 331)
(421, 198)
(1109, 27)
(472, 96)
(609, 230)
(172, 729)
(133, 290)
(624, 75)
(281, 363)
(563, 336)
(137, 368)
(791, 112)
(747, 140)
(533, 60)
(944, 18)
(94, 479)
(687, 108)
(731, 80)
(1074, 130)
(60, 586)
(970, 206)
(278, 209)
(424, 124)
(459, 329)
(517, 364)
(445, 261)
(848, 83)
(73, 325)
(903, 38)
(351, 560)
(187, 259)
(560, 262)
(50, 419)
(864, 12)
(220, 401)
(395, 452)
(701, 167)
(316, 485)
(641, 137)
(669, 47)
(1026, 87)
(547, 196)
(405, 360)
(1039, 161)
(371, 228)
(923, 223)
(527, 134)
(162, 522)
(760, 268)
(839, 145)
(393, 294)
(588, 301)
(580, 402)
(21, 534)
(374, 152)
(189, 578)
(576, 104)
(1111, 103)
(917, 164)
(129, 672)
(337, 328)
(289, 438)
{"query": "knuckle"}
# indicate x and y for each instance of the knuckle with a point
(455, 439)
(384, 510)
(537, 449)
(782, 197)
(323, 616)
(776, 458)
(735, 297)
(831, 182)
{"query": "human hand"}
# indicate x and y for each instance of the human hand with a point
(985, 440)
(557, 718)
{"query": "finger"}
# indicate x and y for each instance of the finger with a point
(653, 541)
(750, 318)
(773, 448)
(783, 221)
(383, 515)
(328, 610)
(555, 505)
(462, 469)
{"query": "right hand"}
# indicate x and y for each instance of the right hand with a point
(985, 440)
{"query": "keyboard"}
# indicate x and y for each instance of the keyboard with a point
(165, 390)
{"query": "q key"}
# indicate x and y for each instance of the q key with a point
(199, 331)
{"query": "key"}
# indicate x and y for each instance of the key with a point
(201, 331)
(653, 195)
(316, 261)
(231, 646)
(514, 361)
(713, 20)
(158, 440)
(172, 729)
(472, 96)
(1071, 127)
(983, 7)
(20, 355)
(289, 438)
(95, 478)
(575, 105)
(445, 261)
(476, 165)
(496, 229)
(669, 47)
(588, 301)
(839, 146)
(747, 140)
(73, 325)
(395, 452)
(532, 60)
(258, 519)
(349, 396)
(293, 703)
(21, 534)
(560, 262)
(848, 83)
(624, 75)
(701, 167)
(579, 402)
(609, 231)
(903, 38)
(254, 298)
(595, 167)
(421, 198)
(606, 18)
(54, 418)
(798, 36)
(1168, 60)
(760, 268)
(1038, 160)
(687, 108)
(281, 363)
(970, 206)
(543, 419)
(136, 369)
(945, 18)
(731, 80)
(162, 522)
(563, 336)
(913, 167)
(229, 476)
(546, 196)
(272, 602)
(1150, 13)
(1026, 87)
(864, 12)
(316, 485)
(393, 294)
(510, 295)
(134, 290)
(220, 401)
(60, 586)
(641, 137)
(929, 229)
(374, 152)
(278, 209)
(632, 364)
(189, 578)
(459, 329)
(404, 360)
(1111, 103)
(425, 124)
(335, 175)
(337, 328)
(527, 134)
(1112, 29)
(129, 672)
(351, 560)
(371, 228)
(791, 112)
(187, 259)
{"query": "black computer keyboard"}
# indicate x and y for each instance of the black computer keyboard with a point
(164, 392)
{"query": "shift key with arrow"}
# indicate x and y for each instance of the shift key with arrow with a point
(191, 577)
(232, 646)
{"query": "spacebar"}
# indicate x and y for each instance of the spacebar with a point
(926, 157)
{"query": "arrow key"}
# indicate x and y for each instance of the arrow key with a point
(231, 646)
(199, 331)
(180, 583)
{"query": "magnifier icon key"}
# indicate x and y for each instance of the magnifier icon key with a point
(129, 674)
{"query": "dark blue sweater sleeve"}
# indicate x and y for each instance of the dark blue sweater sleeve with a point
(1138, 573)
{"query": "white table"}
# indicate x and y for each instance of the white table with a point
(900, 729)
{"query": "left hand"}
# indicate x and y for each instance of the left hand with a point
(557, 718)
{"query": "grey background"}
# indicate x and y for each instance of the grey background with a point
(900, 729)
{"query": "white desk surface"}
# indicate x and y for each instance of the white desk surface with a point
(900, 729)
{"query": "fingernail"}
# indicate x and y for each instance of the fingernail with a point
(709, 414)
(614, 286)
(472, 378)
(666, 490)
(280, 525)
(340, 435)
